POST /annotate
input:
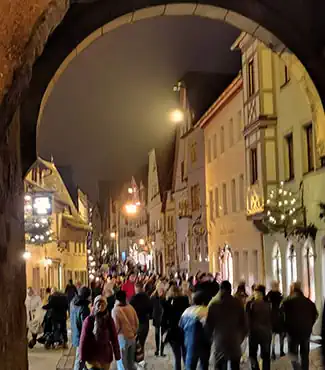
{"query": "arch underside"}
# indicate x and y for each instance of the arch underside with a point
(84, 22)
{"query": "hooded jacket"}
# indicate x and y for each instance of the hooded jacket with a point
(79, 310)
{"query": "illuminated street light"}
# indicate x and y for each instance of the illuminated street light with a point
(177, 116)
(113, 235)
(141, 242)
(131, 209)
(27, 255)
(130, 190)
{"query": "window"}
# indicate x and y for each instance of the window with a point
(170, 223)
(233, 195)
(193, 153)
(254, 170)
(80, 248)
(222, 139)
(214, 146)
(290, 171)
(231, 132)
(224, 199)
(183, 171)
(277, 265)
(83, 247)
(309, 147)
(195, 197)
(309, 270)
(291, 265)
(241, 192)
(227, 265)
(34, 174)
(216, 202)
(209, 150)
(240, 126)
(236, 267)
(211, 205)
(76, 247)
(183, 247)
(284, 74)
(245, 266)
(251, 82)
(255, 264)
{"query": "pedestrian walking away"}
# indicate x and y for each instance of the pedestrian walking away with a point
(197, 346)
(127, 324)
(300, 315)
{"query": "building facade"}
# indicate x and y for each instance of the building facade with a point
(235, 248)
(56, 230)
(282, 158)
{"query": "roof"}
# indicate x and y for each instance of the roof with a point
(202, 89)
(63, 196)
(66, 173)
(230, 92)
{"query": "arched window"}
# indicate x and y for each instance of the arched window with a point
(291, 265)
(277, 265)
(309, 270)
(227, 264)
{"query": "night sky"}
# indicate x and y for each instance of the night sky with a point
(111, 105)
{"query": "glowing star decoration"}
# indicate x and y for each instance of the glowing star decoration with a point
(42, 205)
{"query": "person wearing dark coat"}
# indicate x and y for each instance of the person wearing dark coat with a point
(300, 315)
(208, 287)
(226, 324)
(58, 306)
(142, 305)
(159, 310)
(260, 329)
(71, 291)
(79, 310)
(176, 305)
(275, 298)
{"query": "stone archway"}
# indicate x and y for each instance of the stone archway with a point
(56, 30)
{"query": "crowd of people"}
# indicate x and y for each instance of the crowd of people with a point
(199, 318)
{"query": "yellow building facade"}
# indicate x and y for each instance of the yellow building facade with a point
(63, 255)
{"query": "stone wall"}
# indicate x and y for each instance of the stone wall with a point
(13, 350)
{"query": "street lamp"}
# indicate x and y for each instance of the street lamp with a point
(113, 235)
(27, 255)
(141, 242)
(131, 209)
(177, 116)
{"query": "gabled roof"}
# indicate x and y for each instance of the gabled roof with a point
(202, 89)
(63, 196)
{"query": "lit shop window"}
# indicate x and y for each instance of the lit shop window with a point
(309, 270)
(291, 265)
(277, 265)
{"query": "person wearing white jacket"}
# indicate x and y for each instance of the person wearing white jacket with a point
(34, 310)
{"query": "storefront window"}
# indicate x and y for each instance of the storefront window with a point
(227, 265)
(309, 269)
(277, 265)
(291, 265)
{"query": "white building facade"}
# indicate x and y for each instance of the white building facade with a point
(235, 248)
(280, 141)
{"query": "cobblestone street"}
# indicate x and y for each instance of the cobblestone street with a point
(41, 359)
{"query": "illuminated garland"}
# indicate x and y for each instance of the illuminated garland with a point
(38, 230)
